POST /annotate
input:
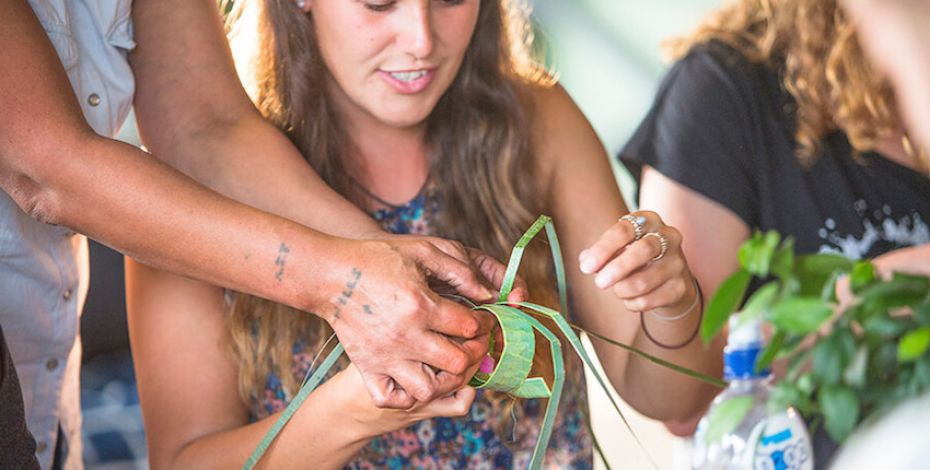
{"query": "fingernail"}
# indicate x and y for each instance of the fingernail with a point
(601, 280)
(587, 263)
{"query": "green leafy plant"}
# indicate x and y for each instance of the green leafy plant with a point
(846, 363)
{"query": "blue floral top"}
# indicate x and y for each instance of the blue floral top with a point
(491, 436)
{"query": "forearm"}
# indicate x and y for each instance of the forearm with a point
(665, 394)
(651, 389)
(195, 115)
(320, 435)
(251, 161)
(122, 197)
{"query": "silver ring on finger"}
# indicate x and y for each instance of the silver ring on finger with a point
(638, 222)
(663, 244)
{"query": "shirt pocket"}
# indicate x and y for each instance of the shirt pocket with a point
(53, 15)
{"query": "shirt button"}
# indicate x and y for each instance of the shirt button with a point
(67, 294)
(41, 446)
(93, 99)
(52, 364)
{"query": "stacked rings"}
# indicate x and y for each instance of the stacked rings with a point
(663, 244)
(638, 222)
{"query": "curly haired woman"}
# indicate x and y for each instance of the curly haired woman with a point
(774, 119)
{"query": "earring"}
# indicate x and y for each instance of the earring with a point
(302, 4)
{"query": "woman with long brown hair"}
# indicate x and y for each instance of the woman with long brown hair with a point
(773, 119)
(430, 115)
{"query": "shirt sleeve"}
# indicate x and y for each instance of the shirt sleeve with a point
(699, 131)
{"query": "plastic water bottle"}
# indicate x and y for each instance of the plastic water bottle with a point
(765, 439)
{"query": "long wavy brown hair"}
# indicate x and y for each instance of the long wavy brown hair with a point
(479, 149)
(815, 47)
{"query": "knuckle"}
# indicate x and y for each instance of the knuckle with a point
(635, 304)
(424, 392)
(644, 247)
(639, 284)
(457, 363)
(423, 248)
(409, 305)
(620, 291)
(652, 216)
(457, 247)
(403, 404)
(380, 401)
(679, 287)
(461, 409)
(470, 327)
(452, 383)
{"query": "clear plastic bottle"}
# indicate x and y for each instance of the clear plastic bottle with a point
(765, 439)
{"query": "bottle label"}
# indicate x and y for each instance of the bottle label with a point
(741, 363)
(781, 442)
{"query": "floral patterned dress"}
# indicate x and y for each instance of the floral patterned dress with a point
(474, 441)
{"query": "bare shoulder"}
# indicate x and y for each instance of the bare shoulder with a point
(559, 127)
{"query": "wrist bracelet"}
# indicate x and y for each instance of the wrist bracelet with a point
(685, 312)
(642, 322)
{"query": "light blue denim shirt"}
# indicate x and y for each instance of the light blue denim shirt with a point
(43, 268)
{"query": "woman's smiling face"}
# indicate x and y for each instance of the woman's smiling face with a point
(392, 59)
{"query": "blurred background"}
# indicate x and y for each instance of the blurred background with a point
(607, 54)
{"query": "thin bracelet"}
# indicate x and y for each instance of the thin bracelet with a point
(684, 343)
(697, 291)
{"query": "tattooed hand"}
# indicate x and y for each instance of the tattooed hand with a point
(409, 343)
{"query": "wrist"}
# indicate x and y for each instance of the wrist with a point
(681, 309)
(326, 270)
(364, 421)
(682, 327)
(355, 406)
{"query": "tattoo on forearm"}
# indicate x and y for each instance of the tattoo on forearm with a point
(346, 294)
(281, 260)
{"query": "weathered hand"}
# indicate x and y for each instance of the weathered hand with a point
(627, 266)
(392, 323)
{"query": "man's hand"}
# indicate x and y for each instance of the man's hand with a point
(409, 343)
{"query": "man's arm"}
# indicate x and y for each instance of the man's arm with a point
(59, 171)
(194, 114)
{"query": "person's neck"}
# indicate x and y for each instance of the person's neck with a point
(389, 162)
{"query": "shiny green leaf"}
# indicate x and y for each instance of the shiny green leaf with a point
(922, 313)
(758, 303)
(863, 274)
(800, 315)
(755, 255)
(783, 260)
(914, 344)
(854, 375)
(840, 408)
(724, 302)
(823, 264)
(771, 350)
